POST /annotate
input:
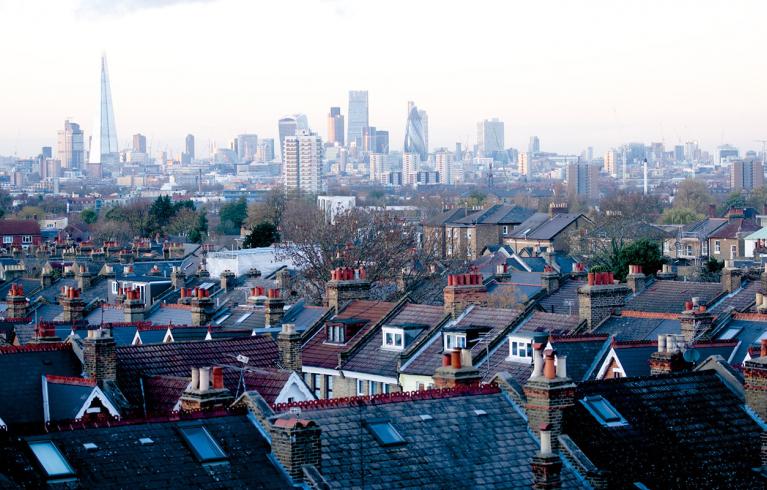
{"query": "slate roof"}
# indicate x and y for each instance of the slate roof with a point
(565, 299)
(498, 214)
(747, 332)
(553, 323)
(163, 392)
(454, 448)
(705, 227)
(735, 228)
(65, 399)
(178, 358)
(741, 300)
(21, 392)
(121, 461)
(317, 353)
(670, 296)
(684, 431)
(372, 358)
(446, 217)
(633, 328)
(541, 226)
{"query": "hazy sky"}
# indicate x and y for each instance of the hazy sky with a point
(576, 73)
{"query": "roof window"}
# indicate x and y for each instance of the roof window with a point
(145, 441)
(203, 445)
(603, 411)
(384, 433)
(51, 459)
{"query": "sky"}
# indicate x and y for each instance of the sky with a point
(577, 73)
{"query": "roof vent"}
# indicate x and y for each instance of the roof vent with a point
(479, 412)
(89, 446)
(145, 441)
(425, 417)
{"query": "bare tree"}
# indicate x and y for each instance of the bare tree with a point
(381, 242)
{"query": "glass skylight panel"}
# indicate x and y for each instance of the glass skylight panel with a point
(729, 334)
(603, 411)
(51, 459)
(244, 317)
(385, 433)
(203, 445)
(221, 319)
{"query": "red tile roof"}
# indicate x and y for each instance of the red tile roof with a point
(19, 227)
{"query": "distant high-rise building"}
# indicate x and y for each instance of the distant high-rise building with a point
(691, 151)
(46, 152)
(369, 138)
(525, 163)
(490, 137)
(679, 153)
(443, 164)
(612, 162)
(358, 116)
(335, 126)
(289, 126)
(458, 152)
(746, 174)
(247, 144)
(377, 167)
(104, 141)
(265, 150)
(188, 154)
(71, 147)
(583, 180)
(415, 133)
(636, 152)
(726, 153)
(534, 146)
(382, 141)
(139, 143)
(302, 162)
(410, 167)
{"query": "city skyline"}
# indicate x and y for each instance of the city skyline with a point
(662, 75)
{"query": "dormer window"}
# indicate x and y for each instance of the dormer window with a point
(455, 341)
(336, 334)
(393, 338)
(520, 349)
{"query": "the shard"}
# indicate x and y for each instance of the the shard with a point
(104, 140)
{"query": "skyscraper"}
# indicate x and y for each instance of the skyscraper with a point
(335, 127)
(71, 146)
(188, 154)
(410, 164)
(746, 174)
(583, 180)
(377, 167)
(382, 142)
(534, 146)
(358, 116)
(444, 166)
(247, 144)
(490, 137)
(369, 140)
(139, 143)
(104, 140)
(415, 133)
(612, 161)
(288, 126)
(266, 150)
(302, 162)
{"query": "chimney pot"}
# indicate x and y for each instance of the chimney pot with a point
(446, 359)
(455, 359)
(195, 376)
(661, 343)
(545, 440)
(204, 379)
(218, 378)
(549, 370)
(561, 366)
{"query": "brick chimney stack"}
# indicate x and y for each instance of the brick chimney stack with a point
(456, 369)
(177, 278)
(17, 302)
(695, 321)
(46, 276)
(201, 395)
(100, 356)
(133, 306)
(289, 345)
(549, 393)
(84, 277)
(227, 280)
(668, 358)
(636, 280)
(463, 290)
(274, 308)
(295, 443)
(666, 273)
(202, 307)
(600, 298)
(550, 279)
(44, 332)
(72, 304)
(345, 285)
(546, 465)
(730, 277)
(755, 382)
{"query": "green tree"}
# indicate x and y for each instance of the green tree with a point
(679, 216)
(89, 216)
(262, 235)
(232, 216)
(735, 200)
(162, 211)
(619, 256)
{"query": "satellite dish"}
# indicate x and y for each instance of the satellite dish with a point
(691, 355)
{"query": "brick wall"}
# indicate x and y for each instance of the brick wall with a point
(297, 445)
(289, 345)
(755, 385)
(546, 402)
(595, 303)
(100, 359)
(339, 292)
(458, 298)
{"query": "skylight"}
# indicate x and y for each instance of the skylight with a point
(51, 459)
(203, 445)
(385, 433)
(729, 333)
(244, 317)
(220, 320)
(603, 411)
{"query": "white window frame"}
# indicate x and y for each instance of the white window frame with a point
(521, 349)
(26, 239)
(717, 246)
(397, 337)
(372, 388)
(316, 385)
(328, 386)
(460, 341)
(7, 239)
(360, 387)
(505, 230)
(733, 252)
(688, 250)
